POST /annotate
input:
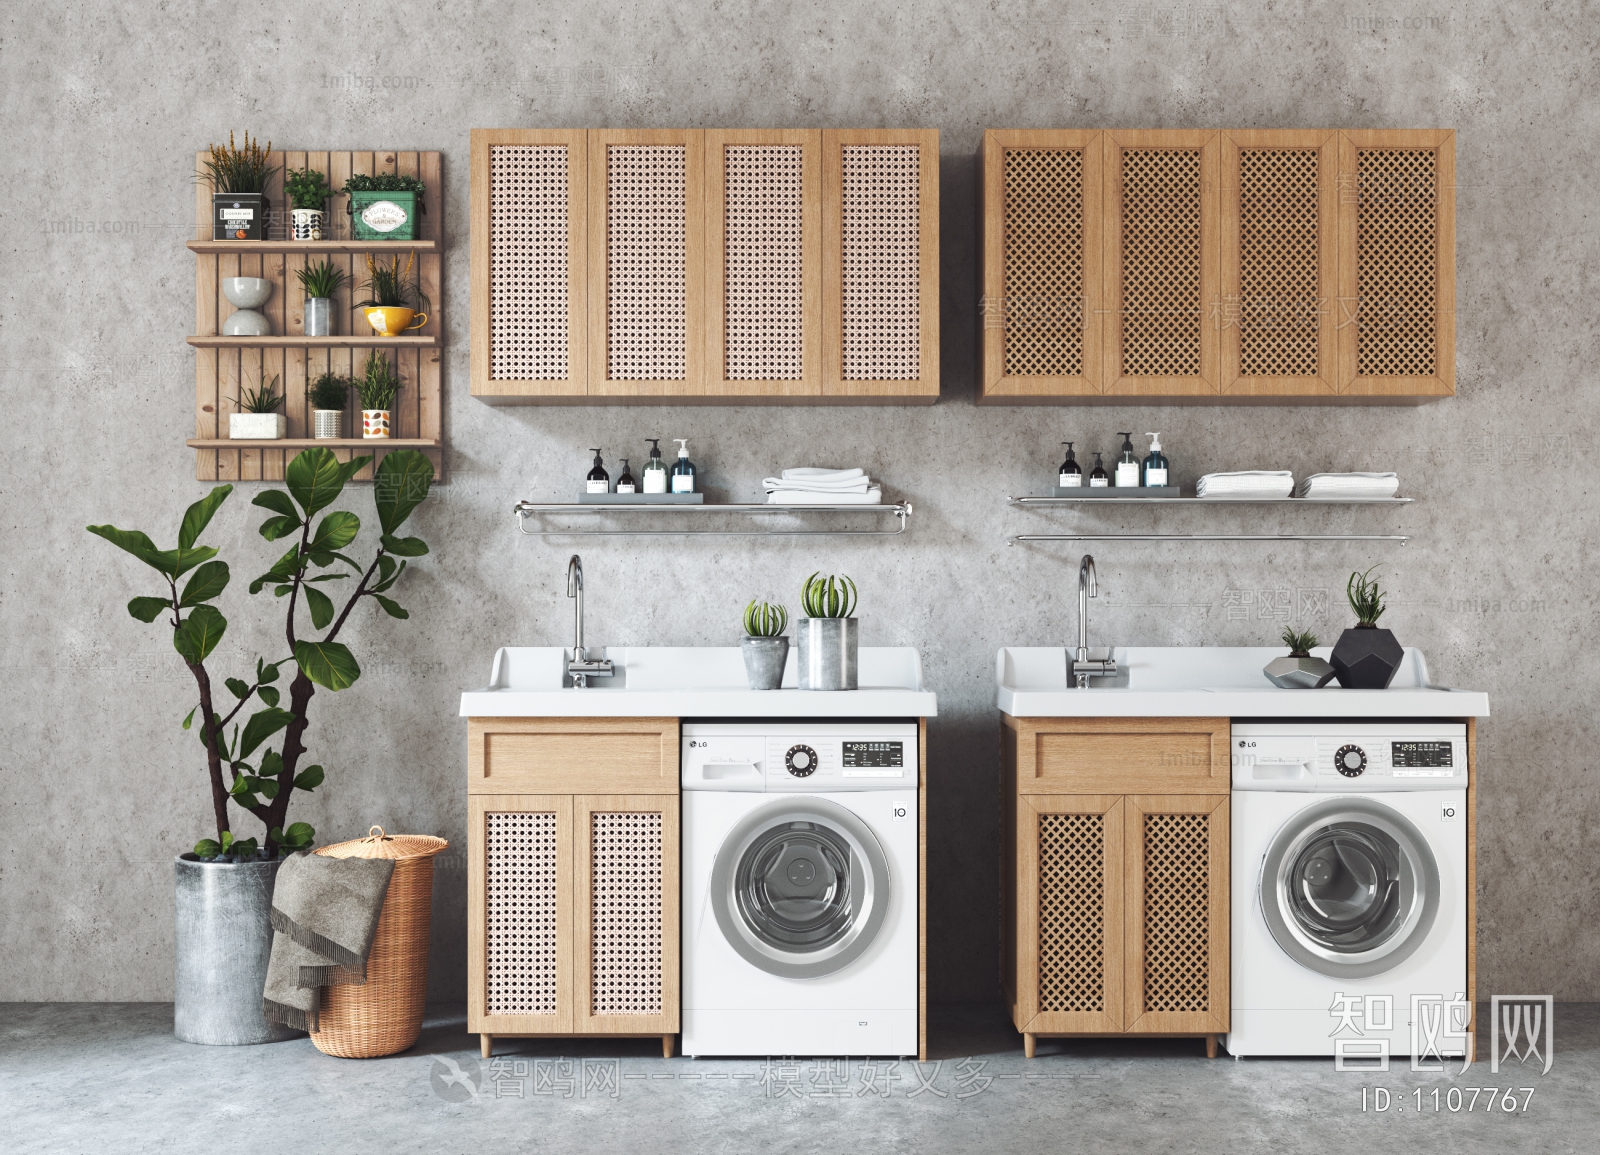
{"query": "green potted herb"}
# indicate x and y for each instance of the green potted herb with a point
(394, 300)
(239, 178)
(260, 420)
(223, 887)
(321, 281)
(384, 206)
(308, 193)
(828, 633)
(1298, 671)
(329, 394)
(1366, 657)
(764, 646)
(377, 386)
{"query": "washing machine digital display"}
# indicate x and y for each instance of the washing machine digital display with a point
(1421, 755)
(873, 755)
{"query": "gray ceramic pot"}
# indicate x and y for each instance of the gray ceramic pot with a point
(319, 316)
(224, 938)
(763, 661)
(827, 656)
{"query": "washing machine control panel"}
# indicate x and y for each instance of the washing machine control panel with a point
(799, 757)
(801, 761)
(1331, 756)
(1350, 761)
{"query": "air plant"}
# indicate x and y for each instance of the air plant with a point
(322, 279)
(765, 620)
(1365, 599)
(379, 382)
(239, 170)
(264, 398)
(1300, 642)
(389, 287)
(831, 597)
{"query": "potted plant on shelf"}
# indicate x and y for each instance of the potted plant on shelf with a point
(394, 297)
(224, 885)
(384, 206)
(260, 420)
(1298, 671)
(308, 193)
(827, 634)
(239, 177)
(329, 395)
(1366, 657)
(764, 646)
(321, 281)
(378, 385)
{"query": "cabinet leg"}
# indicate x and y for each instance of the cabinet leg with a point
(668, 1046)
(1211, 1046)
(1028, 1042)
(486, 1045)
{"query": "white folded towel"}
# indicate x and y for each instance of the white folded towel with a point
(807, 472)
(1250, 483)
(872, 496)
(1350, 485)
(826, 481)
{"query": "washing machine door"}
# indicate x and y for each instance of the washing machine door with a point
(800, 887)
(1349, 888)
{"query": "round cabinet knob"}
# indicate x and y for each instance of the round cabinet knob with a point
(1350, 761)
(801, 761)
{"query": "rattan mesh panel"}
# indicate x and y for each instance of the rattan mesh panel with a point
(882, 252)
(1161, 259)
(647, 210)
(528, 263)
(1278, 237)
(522, 914)
(1043, 306)
(762, 293)
(1177, 912)
(1072, 886)
(627, 913)
(1395, 263)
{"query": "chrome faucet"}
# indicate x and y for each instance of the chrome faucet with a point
(1081, 667)
(580, 667)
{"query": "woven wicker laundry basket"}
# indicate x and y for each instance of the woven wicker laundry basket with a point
(384, 1015)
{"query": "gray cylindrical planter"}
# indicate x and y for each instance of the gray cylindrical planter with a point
(224, 938)
(827, 658)
(763, 661)
(319, 316)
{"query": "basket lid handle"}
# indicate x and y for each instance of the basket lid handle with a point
(375, 837)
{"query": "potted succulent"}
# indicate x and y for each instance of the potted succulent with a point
(377, 387)
(308, 193)
(223, 887)
(1366, 657)
(1298, 671)
(394, 297)
(827, 634)
(239, 177)
(764, 646)
(321, 281)
(329, 395)
(260, 420)
(384, 206)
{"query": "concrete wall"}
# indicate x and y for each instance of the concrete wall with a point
(103, 106)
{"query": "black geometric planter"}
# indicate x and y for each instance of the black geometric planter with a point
(1366, 658)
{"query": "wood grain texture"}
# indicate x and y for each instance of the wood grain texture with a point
(572, 755)
(1116, 755)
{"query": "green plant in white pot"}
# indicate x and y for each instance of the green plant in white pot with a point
(827, 635)
(764, 647)
(308, 193)
(378, 385)
(330, 393)
(260, 420)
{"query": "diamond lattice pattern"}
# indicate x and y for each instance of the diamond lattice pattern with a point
(1072, 886)
(1043, 305)
(627, 913)
(1396, 253)
(522, 914)
(528, 263)
(1161, 307)
(1177, 912)
(1278, 238)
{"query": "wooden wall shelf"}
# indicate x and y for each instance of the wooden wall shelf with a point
(224, 366)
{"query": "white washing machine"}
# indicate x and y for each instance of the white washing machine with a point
(1349, 899)
(800, 888)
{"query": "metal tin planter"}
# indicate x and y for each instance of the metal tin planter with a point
(384, 216)
(827, 659)
(764, 659)
(240, 216)
(319, 316)
(325, 423)
(223, 941)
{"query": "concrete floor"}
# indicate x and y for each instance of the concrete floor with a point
(109, 1076)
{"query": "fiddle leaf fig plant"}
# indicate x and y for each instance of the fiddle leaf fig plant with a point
(242, 767)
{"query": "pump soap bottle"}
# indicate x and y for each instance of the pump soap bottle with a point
(1156, 465)
(683, 473)
(655, 470)
(625, 483)
(1127, 464)
(1097, 475)
(1070, 475)
(599, 479)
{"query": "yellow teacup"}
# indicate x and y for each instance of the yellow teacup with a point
(392, 322)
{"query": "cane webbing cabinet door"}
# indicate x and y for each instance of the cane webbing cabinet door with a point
(530, 258)
(1396, 314)
(1176, 884)
(1042, 290)
(880, 272)
(1279, 260)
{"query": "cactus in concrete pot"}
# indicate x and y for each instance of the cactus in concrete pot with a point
(764, 646)
(828, 633)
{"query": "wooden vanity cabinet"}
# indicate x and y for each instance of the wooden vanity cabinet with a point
(572, 878)
(1115, 876)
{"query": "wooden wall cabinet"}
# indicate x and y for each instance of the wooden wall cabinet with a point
(1291, 266)
(1116, 876)
(572, 878)
(731, 266)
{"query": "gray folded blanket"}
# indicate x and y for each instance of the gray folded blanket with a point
(325, 912)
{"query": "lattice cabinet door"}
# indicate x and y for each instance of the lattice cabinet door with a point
(520, 915)
(626, 911)
(763, 276)
(1176, 890)
(1396, 306)
(880, 273)
(1042, 229)
(1162, 282)
(1069, 911)
(647, 324)
(529, 263)
(1279, 259)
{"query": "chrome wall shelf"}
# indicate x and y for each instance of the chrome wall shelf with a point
(1083, 503)
(1206, 537)
(1209, 501)
(526, 509)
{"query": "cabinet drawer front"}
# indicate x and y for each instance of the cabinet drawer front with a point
(513, 756)
(1171, 755)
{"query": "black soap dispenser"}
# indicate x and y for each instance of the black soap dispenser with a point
(1127, 464)
(1097, 475)
(1070, 475)
(655, 470)
(599, 479)
(626, 483)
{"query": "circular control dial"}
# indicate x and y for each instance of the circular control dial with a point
(801, 761)
(1350, 761)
